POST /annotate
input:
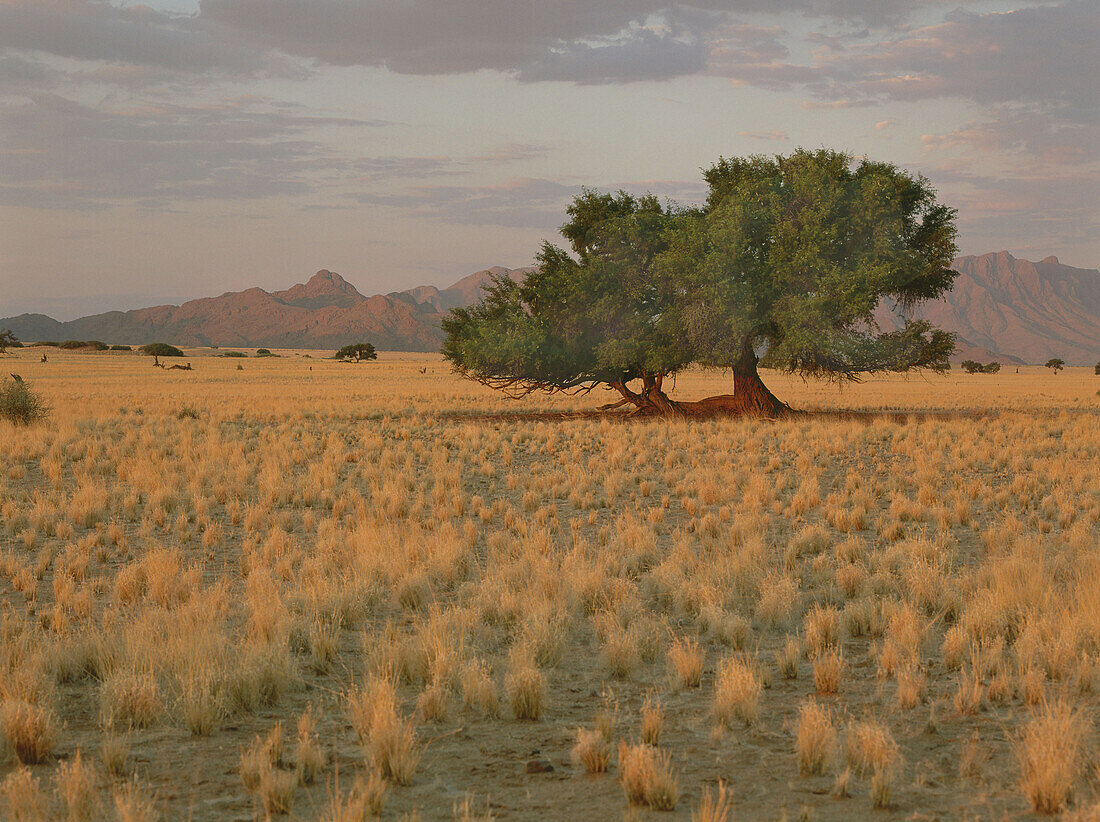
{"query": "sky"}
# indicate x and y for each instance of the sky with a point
(153, 153)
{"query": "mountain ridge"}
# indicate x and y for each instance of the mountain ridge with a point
(1001, 307)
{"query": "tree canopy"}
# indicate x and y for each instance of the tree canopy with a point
(1056, 364)
(8, 340)
(357, 352)
(785, 265)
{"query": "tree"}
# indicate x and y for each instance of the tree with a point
(604, 317)
(357, 352)
(1096, 370)
(1055, 364)
(972, 367)
(157, 350)
(8, 340)
(785, 266)
(991, 368)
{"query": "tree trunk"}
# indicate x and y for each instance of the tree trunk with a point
(750, 396)
(651, 400)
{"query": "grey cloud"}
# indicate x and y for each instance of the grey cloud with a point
(93, 30)
(1045, 55)
(57, 152)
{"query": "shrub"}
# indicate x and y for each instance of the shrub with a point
(121, 348)
(48, 343)
(159, 349)
(72, 345)
(971, 367)
(98, 345)
(233, 354)
(20, 405)
(263, 352)
(357, 352)
(8, 340)
(991, 368)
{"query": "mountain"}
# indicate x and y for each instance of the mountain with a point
(1001, 307)
(325, 312)
(1017, 311)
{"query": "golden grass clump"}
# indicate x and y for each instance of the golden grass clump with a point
(647, 778)
(715, 806)
(23, 796)
(829, 671)
(76, 783)
(30, 730)
(815, 738)
(685, 663)
(525, 686)
(1050, 755)
(592, 751)
(652, 719)
(364, 801)
(737, 692)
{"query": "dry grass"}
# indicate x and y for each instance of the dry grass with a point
(172, 584)
(1050, 754)
(647, 778)
(815, 738)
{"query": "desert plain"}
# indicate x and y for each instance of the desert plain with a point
(292, 587)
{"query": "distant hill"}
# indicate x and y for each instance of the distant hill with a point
(1017, 311)
(1001, 308)
(325, 312)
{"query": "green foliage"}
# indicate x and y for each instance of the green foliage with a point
(263, 352)
(159, 349)
(98, 345)
(233, 354)
(49, 343)
(72, 345)
(789, 259)
(121, 348)
(1055, 364)
(357, 352)
(972, 367)
(19, 404)
(1096, 370)
(8, 340)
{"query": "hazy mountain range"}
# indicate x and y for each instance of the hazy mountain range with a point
(1001, 308)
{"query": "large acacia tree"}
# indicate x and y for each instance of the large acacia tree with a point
(784, 266)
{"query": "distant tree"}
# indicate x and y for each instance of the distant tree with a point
(263, 352)
(121, 348)
(72, 345)
(991, 368)
(784, 266)
(8, 340)
(98, 345)
(357, 352)
(1096, 370)
(157, 350)
(971, 367)
(233, 354)
(1055, 364)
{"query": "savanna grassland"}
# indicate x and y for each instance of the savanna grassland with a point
(330, 590)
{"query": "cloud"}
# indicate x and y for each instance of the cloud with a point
(61, 153)
(92, 30)
(1044, 55)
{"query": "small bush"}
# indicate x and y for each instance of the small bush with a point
(20, 405)
(72, 345)
(121, 348)
(263, 352)
(991, 368)
(159, 349)
(98, 345)
(49, 343)
(233, 354)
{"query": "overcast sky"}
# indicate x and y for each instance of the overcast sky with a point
(181, 148)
